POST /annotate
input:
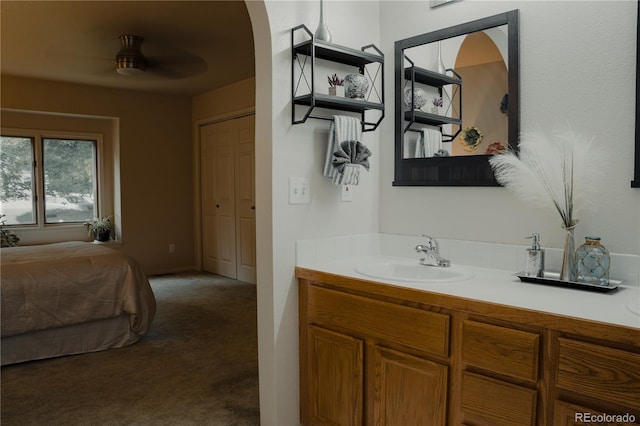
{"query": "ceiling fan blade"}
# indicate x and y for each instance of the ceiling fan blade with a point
(177, 67)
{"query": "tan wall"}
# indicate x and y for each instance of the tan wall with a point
(156, 159)
(238, 96)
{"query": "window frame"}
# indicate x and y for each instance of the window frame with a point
(39, 167)
(42, 232)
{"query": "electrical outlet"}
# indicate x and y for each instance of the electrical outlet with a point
(347, 193)
(299, 192)
(172, 248)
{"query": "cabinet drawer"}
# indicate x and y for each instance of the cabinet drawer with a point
(492, 402)
(608, 374)
(416, 328)
(513, 353)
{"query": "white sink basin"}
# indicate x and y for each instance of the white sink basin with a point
(413, 272)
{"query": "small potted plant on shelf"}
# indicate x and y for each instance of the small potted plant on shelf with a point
(336, 85)
(437, 104)
(100, 228)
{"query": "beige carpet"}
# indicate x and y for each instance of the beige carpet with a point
(198, 365)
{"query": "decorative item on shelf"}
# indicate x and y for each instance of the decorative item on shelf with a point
(322, 32)
(356, 86)
(504, 104)
(419, 97)
(9, 238)
(568, 268)
(593, 262)
(471, 138)
(496, 148)
(534, 266)
(336, 85)
(564, 172)
(440, 68)
(100, 228)
(437, 104)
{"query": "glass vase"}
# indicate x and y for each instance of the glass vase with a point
(568, 270)
(322, 32)
(592, 262)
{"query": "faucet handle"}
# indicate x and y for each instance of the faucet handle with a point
(433, 244)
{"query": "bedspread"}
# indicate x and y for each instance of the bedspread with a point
(62, 284)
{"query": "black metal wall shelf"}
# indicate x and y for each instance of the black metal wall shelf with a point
(430, 119)
(427, 77)
(430, 78)
(336, 102)
(337, 53)
(314, 49)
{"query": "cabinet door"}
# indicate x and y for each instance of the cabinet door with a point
(408, 390)
(565, 414)
(335, 378)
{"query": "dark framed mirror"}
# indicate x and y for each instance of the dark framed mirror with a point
(635, 183)
(456, 102)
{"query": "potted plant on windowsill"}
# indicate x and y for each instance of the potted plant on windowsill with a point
(100, 228)
(9, 238)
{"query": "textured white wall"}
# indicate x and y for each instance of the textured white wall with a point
(297, 151)
(577, 62)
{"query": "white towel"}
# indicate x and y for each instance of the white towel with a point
(429, 142)
(343, 128)
(419, 151)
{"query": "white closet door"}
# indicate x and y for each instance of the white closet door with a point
(218, 198)
(245, 200)
(228, 198)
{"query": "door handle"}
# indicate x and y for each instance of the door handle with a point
(217, 206)
(253, 207)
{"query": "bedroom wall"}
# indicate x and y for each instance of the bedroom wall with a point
(155, 161)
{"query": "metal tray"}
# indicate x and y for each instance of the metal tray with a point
(553, 279)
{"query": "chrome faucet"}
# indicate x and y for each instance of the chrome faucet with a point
(431, 251)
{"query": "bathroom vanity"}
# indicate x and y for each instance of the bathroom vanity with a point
(378, 353)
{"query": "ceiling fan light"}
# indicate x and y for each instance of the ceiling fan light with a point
(129, 70)
(130, 60)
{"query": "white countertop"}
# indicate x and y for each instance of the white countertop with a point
(500, 286)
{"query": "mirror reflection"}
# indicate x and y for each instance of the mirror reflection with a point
(459, 89)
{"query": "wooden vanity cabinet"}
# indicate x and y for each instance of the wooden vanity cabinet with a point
(500, 374)
(368, 361)
(383, 355)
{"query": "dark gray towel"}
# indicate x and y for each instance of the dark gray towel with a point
(351, 152)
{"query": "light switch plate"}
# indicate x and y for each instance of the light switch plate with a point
(347, 193)
(299, 192)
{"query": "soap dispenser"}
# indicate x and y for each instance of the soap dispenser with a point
(535, 258)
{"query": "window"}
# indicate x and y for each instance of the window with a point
(48, 179)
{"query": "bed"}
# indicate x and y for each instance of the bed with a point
(70, 298)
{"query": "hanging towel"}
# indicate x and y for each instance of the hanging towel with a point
(343, 128)
(347, 162)
(419, 151)
(429, 142)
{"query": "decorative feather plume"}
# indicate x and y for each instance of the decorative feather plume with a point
(564, 171)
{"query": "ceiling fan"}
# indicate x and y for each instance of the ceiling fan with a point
(164, 62)
(130, 59)
(128, 56)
